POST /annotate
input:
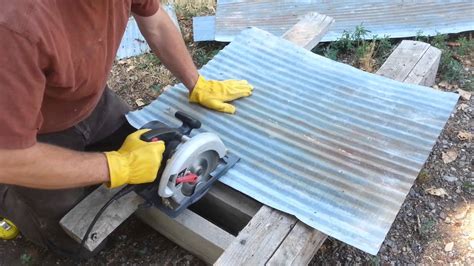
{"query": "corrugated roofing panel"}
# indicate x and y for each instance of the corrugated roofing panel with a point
(337, 147)
(203, 28)
(133, 43)
(399, 18)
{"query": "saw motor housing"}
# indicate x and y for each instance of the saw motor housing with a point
(189, 167)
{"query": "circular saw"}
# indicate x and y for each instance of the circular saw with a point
(190, 164)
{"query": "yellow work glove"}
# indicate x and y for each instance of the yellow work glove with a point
(8, 230)
(214, 94)
(136, 162)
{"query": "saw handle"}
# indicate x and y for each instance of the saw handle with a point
(165, 134)
(189, 122)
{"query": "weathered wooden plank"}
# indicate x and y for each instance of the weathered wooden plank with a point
(77, 221)
(258, 241)
(424, 73)
(190, 231)
(309, 30)
(412, 62)
(299, 247)
(403, 59)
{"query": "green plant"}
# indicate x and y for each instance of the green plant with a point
(439, 41)
(157, 87)
(26, 259)
(374, 261)
(465, 46)
(351, 40)
(384, 48)
(450, 69)
(344, 43)
(423, 177)
(469, 83)
(360, 34)
(420, 37)
(203, 55)
(330, 52)
(148, 60)
(426, 226)
(468, 185)
(354, 47)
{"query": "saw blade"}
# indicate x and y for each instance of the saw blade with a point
(191, 164)
(202, 166)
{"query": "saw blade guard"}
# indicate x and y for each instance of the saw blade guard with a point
(188, 154)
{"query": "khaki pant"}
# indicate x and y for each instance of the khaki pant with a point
(37, 212)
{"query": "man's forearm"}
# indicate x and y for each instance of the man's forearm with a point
(167, 43)
(50, 167)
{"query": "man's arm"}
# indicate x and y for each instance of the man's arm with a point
(46, 166)
(166, 42)
(50, 167)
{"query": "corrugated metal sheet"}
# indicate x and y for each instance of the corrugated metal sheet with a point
(399, 18)
(337, 147)
(203, 28)
(133, 43)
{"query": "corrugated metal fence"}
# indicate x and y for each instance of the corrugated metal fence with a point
(398, 18)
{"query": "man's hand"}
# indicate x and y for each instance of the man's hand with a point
(136, 162)
(214, 94)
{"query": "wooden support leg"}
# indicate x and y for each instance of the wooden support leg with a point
(190, 231)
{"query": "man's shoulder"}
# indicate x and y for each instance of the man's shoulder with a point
(24, 17)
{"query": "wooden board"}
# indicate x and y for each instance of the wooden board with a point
(77, 221)
(412, 62)
(424, 72)
(298, 248)
(309, 30)
(190, 231)
(258, 241)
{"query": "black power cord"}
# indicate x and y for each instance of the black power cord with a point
(124, 191)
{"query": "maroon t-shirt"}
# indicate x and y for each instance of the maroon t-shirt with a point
(55, 57)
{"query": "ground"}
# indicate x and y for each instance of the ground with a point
(429, 229)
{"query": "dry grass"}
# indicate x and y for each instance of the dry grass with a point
(367, 61)
(190, 8)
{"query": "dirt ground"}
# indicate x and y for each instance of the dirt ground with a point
(429, 229)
